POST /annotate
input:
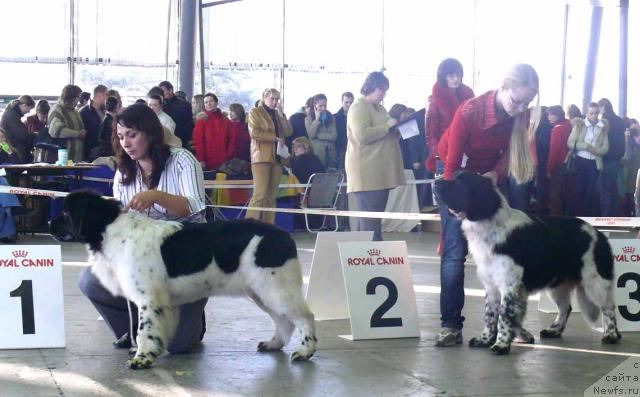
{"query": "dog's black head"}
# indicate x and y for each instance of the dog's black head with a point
(87, 215)
(469, 196)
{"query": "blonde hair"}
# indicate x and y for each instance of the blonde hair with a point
(270, 91)
(521, 163)
(303, 141)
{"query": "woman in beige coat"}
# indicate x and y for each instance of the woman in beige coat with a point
(66, 124)
(373, 161)
(590, 141)
(268, 128)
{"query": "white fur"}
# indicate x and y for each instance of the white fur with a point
(130, 265)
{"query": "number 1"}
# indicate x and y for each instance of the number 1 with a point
(25, 292)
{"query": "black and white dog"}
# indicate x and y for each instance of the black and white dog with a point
(517, 254)
(159, 265)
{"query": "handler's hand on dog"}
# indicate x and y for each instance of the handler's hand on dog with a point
(142, 201)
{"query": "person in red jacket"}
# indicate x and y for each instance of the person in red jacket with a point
(212, 135)
(558, 150)
(489, 135)
(240, 138)
(447, 94)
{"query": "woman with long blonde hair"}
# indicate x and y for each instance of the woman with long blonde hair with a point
(492, 135)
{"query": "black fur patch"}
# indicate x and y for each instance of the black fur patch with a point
(550, 251)
(88, 214)
(191, 249)
(463, 193)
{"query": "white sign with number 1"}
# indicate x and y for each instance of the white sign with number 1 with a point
(31, 303)
(382, 302)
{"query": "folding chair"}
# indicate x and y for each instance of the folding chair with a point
(322, 191)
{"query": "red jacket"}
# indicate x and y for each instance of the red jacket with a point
(240, 141)
(443, 104)
(558, 146)
(477, 133)
(211, 137)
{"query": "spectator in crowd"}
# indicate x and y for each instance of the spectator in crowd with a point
(611, 161)
(321, 127)
(115, 93)
(37, 122)
(180, 112)
(105, 137)
(197, 105)
(491, 131)
(589, 138)
(212, 135)
(373, 161)
(410, 147)
(542, 142)
(92, 114)
(573, 111)
(7, 200)
(341, 127)
(155, 103)
(65, 123)
(297, 121)
(16, 132)
(85, 97)
(631, 165)
(268, 128)
(240, 139)
(161, 182)
(447, 94)
(304, 162)
(182, 95)
(559, 182)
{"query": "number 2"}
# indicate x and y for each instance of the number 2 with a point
(634, 295)
(376, 319)
(25, 293)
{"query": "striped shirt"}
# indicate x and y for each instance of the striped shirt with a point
(182, 176)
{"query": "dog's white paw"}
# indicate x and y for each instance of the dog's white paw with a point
(307, 350)
(140, 362)
(270, 346)
(500, 349)
(481, 342)
(612, 338)
(526, 337)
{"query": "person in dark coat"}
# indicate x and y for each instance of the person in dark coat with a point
(92, 114)
(304, 162)
(341, 127)
(611, 162)
(297, 123)
(180, 112)
(18, 137)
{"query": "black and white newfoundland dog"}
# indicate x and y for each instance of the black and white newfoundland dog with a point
(517, 254)
(159, 265)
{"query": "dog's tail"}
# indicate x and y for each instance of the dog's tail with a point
(590, 311)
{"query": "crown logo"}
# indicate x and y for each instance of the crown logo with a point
(373, 252)
(19, 254)
(628, 250)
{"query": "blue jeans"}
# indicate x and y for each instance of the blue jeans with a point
(454, 251)
(374, 201)
(609, 203)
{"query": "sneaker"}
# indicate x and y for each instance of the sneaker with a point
(449, 337)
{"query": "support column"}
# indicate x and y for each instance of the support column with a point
(187, 45)
(592, 55)
(624, 47)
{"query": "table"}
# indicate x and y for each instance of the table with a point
(37, 212)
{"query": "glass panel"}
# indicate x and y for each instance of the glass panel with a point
(244, 87)
(302, 85)
(248, 31)
(34, 79)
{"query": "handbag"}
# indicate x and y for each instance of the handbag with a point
(571, 165)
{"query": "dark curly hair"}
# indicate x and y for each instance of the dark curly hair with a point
(141, 118)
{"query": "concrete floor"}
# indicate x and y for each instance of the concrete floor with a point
(227, 363)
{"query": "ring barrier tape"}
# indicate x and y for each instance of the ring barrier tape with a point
(226, 185)
(628, 222)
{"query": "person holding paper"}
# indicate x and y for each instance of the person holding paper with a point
(489, 135)
(409, 146)
(447, 94)
(268, 128)
(373, 161)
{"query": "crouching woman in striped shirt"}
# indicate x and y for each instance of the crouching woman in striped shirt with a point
(164, 183)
